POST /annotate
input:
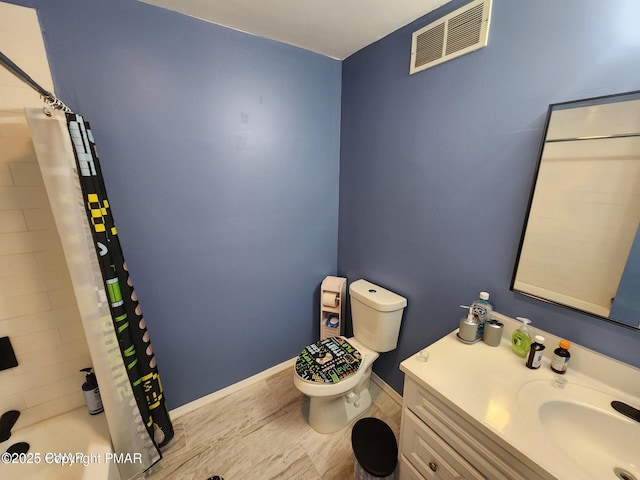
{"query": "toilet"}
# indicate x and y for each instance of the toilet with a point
(334, 373)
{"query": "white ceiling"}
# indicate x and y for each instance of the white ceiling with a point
(334, 28)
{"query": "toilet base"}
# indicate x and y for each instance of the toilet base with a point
(330, 414)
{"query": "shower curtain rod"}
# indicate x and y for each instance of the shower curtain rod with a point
(53, 101)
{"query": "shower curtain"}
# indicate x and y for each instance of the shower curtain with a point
(114, 326)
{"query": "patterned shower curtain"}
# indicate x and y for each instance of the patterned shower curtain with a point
(115, 329)
(128, 321)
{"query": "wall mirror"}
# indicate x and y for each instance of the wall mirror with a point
(580, 245)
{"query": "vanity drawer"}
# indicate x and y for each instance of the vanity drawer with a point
(430, 455)
(407, 471)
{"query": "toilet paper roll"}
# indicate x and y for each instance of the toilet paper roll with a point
(329, 299)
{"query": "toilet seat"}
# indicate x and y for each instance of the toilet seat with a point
(328, 361)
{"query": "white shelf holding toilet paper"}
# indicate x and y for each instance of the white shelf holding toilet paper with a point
(332, 306)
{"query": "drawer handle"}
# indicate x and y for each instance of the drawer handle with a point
(433, 466)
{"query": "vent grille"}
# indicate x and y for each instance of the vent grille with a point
(460, 32)
(429, 45)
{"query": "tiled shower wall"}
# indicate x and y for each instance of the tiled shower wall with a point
(37, 305)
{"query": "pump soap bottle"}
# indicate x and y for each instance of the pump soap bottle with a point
(92, 392)
(521, 338)
(468, 331)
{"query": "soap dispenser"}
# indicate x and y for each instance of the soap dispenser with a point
(468, 331)
(521, 338)
(92, 392)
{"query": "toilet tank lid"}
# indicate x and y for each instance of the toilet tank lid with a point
(376, 297)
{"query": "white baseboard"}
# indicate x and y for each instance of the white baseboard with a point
(202, 401)
(395, 396)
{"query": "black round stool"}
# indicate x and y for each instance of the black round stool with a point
(374, 448)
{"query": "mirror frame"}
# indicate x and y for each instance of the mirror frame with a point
(585, 102)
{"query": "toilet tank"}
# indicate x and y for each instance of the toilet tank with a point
(376, 314)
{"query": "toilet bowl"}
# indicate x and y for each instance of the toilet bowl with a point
(335, 373)
(333, 405)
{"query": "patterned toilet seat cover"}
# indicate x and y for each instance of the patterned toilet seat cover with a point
(328, 361)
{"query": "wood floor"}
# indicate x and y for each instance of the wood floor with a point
(261, 433)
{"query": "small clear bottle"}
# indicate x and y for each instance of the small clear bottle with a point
(535, 353)
(561, 357)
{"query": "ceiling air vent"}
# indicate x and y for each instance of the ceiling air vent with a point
(460, 32)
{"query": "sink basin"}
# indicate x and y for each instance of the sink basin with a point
(580, 422)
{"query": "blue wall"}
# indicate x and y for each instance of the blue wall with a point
(436, 167)
(220, 152)
(223, 154)
(625, 306)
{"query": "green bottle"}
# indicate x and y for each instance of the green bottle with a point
(521, 338)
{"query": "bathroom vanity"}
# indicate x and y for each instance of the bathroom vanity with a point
(477, 412)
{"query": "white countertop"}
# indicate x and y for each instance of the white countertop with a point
(483, 384)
